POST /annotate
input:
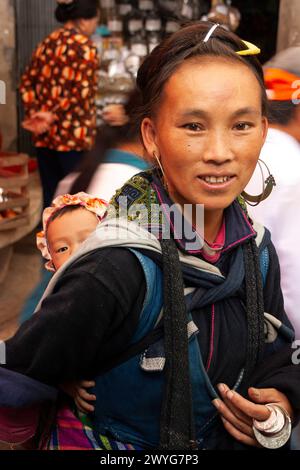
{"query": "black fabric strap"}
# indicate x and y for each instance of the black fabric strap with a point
(254, 307)
(176, 427)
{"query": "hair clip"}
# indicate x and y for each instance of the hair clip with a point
(210, 32)
(251, 49)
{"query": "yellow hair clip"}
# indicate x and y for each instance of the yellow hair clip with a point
(251, 49)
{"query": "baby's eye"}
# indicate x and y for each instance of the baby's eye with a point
(62, 249)
(193, 126)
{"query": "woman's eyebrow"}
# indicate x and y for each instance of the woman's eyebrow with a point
(194, 113)
(201, 113)
(246, 110)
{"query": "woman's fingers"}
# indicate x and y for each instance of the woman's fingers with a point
(115, 115)
(87, 384)
(223, 389)
(254, 411)
(84, 395)
(35, 126)
(228, 415)
(270, 395)
(47, 117)
(238, 435)
(83, 405)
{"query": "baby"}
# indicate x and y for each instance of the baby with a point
(66, 224)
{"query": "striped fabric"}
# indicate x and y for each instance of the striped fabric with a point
(72, 433)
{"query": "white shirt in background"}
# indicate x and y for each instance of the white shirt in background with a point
(280, 213)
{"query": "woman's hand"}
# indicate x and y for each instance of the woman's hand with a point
(80, 395)
(39, 122)
(237, 413)
(115, 115)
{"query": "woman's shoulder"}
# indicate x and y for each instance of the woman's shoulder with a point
(108, 262)
(79, 39)
(69, 36)
(52, 42)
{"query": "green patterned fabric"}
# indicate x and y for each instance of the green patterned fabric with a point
(138, 190)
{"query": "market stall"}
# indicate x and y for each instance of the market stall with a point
(20, 203)
(129, 30)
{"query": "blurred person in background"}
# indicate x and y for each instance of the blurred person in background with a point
(117, 155)
(58, 91)
(281, 152)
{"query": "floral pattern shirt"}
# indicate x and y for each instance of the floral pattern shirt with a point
(62, 78)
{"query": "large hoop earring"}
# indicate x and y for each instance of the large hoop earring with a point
(267, 186)
(164, 181)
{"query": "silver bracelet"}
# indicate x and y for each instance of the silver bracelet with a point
(275, 431)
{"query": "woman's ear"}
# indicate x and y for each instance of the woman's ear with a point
(265, 127)
(149, 137)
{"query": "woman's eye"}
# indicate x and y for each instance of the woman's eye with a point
(62, 249)
(193, 126)
(243, 126)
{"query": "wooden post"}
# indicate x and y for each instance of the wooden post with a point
(289, 24)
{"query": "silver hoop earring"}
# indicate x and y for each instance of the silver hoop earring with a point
(164, 181)
(267, 186)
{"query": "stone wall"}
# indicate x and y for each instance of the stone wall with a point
(8, 111)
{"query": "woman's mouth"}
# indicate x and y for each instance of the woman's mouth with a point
(216, 182)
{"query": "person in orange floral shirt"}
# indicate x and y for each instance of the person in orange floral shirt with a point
(58, 91)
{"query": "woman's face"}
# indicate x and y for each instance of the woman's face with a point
(208, 131)
(88, 27)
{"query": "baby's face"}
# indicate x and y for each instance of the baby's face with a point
(66, 233)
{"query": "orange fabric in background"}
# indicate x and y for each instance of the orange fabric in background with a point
(279, 85)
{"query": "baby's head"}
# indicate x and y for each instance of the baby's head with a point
(67, 223)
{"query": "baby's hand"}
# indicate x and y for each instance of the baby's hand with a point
(81, 397)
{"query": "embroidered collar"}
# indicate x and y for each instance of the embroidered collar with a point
(146, 190)
(236, 228)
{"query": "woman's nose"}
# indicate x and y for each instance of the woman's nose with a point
(218, 149)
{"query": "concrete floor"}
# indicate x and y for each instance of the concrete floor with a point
(22, 277)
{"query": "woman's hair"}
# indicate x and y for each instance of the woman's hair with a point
(109, 137)
(188, 43)
(76, 10)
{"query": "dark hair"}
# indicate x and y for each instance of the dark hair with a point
(185, 44)
(76, 10)
(281, 112)
(109, 137)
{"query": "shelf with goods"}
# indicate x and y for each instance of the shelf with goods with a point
(20, 203)
(14, 199)
(128, 31)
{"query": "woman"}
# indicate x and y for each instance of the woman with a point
(116, 157)
(58, 92)
(173, 328)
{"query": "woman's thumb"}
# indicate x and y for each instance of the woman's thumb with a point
(255, 394)
(263, 395)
